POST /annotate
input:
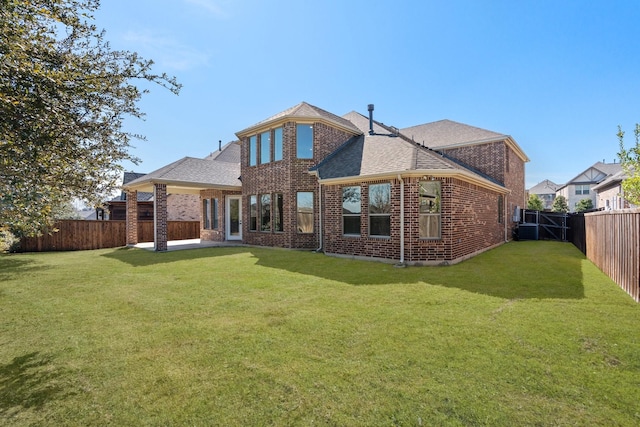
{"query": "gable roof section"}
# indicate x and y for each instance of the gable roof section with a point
(595, 174)
(445, 134)
(301, 112)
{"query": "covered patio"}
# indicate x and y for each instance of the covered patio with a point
(217, 175)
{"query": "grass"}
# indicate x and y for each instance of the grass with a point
(530, 333)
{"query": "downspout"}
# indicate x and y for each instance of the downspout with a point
(401, 219)
(319, 216)
(506, 218)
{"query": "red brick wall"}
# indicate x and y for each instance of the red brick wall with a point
(514, 180)
(287, 176)
(469, 223)
(486, 158)
(160, 217)
(500, 162)
(132, 217)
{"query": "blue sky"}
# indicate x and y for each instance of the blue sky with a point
(559, 76)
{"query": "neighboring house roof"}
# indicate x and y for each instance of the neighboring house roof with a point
(190, 174)
(302, 111)
(595, 174)
(611, 181)
(127, 178)
(544, 187)
(445, 134)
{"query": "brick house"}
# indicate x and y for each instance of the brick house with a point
(350, 186)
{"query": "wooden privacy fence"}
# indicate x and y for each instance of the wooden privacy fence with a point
(75, 235)
(613, 244)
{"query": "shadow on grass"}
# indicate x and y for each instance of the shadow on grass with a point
(515, 270)
(13, 265)
(29, 382)
(519, 270)
(141, 257)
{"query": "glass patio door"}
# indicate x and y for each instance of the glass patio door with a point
(234, 218)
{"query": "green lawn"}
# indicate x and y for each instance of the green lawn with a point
(530, 333)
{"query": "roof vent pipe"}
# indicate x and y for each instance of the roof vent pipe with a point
(370, 108)
(219, 145)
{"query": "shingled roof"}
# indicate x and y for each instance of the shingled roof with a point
(302, 111)
(190, 174)
(374, 156)
(445, 133)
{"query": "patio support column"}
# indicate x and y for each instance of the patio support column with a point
(160, 231)
(131, 219)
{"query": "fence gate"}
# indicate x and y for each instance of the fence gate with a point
(550, 225)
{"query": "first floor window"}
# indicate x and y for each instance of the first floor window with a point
(214, 213)
(265, 212)
(500, 209)
(305, 212)
(277, 212)
(351, 210)
(206, 214)
(380, 210)
(430, 200)
(253, 213)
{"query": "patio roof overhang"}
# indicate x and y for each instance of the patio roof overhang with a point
(179, 187)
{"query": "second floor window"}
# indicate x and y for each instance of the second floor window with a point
(304, 141)
(253, 150)
(582, 189)
(277, 144)
(265, 147)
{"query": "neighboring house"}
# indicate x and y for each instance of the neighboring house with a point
(308, 179)
(546, 190)
(581, 187)
(180, 207)
(609, 193)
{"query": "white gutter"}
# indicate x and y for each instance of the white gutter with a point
(401, 219)
(444, 173)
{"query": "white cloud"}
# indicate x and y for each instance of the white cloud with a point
(211, 6)
(165, 51)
